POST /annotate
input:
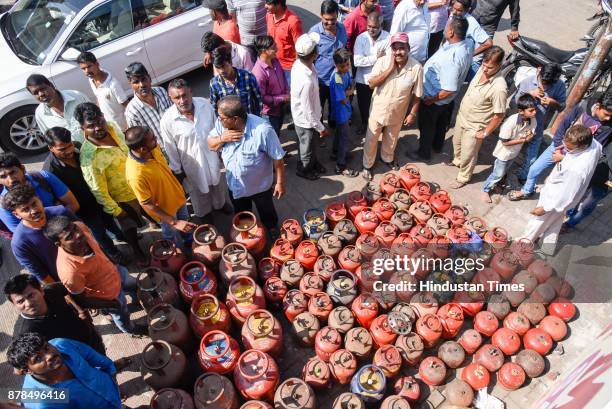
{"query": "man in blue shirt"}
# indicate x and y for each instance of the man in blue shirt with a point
(481, 41)
(549, 92)
(332, 37)
(86, 377)
(443, 75)
(251, 152)
(48, 187)
(31, 248)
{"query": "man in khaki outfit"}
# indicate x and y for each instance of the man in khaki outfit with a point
(482, 110)
(397, 79)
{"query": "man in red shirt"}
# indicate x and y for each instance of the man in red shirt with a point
(284, 27)
(356, 22)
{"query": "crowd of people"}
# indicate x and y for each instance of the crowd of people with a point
(117, 164)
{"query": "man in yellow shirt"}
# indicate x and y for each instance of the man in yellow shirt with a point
(158, 191)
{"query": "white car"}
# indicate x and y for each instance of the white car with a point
(46, 36)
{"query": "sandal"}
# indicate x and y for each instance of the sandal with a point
(513, 196)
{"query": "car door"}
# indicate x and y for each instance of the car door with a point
(110, 32)
(172, 38)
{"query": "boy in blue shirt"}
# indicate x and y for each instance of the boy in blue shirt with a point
(340, 89)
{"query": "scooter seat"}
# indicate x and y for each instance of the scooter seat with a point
(551, 53)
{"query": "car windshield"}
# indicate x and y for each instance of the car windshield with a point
(32, 27)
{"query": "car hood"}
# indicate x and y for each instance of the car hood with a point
(14, 71)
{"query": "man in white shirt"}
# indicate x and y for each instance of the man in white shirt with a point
(412, 17)
(184, 130)
(306, 106)
(369, 47)
(56, 107)
(241, 56)
(564, 187)
(112, 98)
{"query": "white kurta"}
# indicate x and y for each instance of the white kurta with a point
(414, 21)
(563, 189)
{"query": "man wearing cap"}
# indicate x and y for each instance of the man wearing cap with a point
(397, 81)
(306, 105)
(412, 16)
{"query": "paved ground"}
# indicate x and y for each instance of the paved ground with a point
(563, 24)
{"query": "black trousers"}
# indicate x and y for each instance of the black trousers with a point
(325, 97)
(435, 39)
(364, 99)
(433, 123)
(264, 202)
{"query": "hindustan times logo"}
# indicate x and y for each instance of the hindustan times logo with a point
(411, 265)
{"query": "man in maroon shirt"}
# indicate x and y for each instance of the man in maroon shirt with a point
(284, 27)
(356, 22)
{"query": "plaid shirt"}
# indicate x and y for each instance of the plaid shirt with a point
(139, 113)
(245, 87)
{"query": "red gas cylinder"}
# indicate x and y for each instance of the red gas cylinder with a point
(311, 284)
(368, 244)
(497, 238)
(534, 311)
(294, 303)
(452, 354)
(346, 230)
(256, 404)
(341, 318)
(171, 398)
(196, 279)
(327, 341)
(366, 277)
(563, 309)
(538, 340)
(486, 323)
(422, 234)
(244, 297)
(409, 176)
(490, 357)
(541, 270)
(484, 277)
(459, 393)
(275, 290)
(305, 326)
(407, 387)
(403, 245)
(256, 375)
(401, 199)
(499, 306)
(366, 220)
(349, 258)
(236, 261)
(386, 233)
(372, 192)
(457, 214)
(316, 373)
(294, 393)
(343, 366)
(169, 324)
(421, 191)
(292, 272)
(511, 376)
(358, 340)
(424, 303)
(382, 334)
(156, 287)
(432, 371)
(440, 201)
(411, 347)
(532, 363)
(292, 230)
(440, 224)
(476, 375)
(281, 250)
(355, 202)
(477, 225)
(207, 245)
(562, 288)
(429, 327)
(507, 341)
(218, 352)
(452, 320)
(421, 211)
(470, 340)
(306, 253)
(523, 249)
(402, 220)
(517, 322)
(166, 256)
(471, 301)
(505, 263)
(389, 359)
(263, 332)
(330, 244)
(268, 267)
(365, 309)
(459, 235)
(213, 391)
(320, 305)
(383, 208)
(324, 267)
(208, 314)
(247, 231)
(389, 183)
(335, 212)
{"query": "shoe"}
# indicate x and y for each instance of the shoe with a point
(392, 165)
(412, 155)
(366, 174)
(139, 331)
(227, 209)
(344, 171)
(320, 169)
(307, 175)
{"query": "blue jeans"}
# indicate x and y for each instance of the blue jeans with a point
(586, 205)
(288, 77)
(181, 239)
(539, 166)
(340, 147)
(473, 69)
(121, 317)
(500, 168)
(531, 154)
(276, 122)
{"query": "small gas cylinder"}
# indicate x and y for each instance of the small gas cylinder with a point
(346, 230)
(355, 202)
(171, 398)
(366, 277)
(369, 383)
(507, 341)
(294, 303)
(389, 183)
(291, 230)
(256, 375)
(538, 340)
(320, 305)
(511, 376)
(166, 256)
(294, 393)
(335, 212)
(275, 290)
(384, 209)
(490, 357)
(381, 332)
(534, 311)
(305, 327)
(207, 245)
(292, 272)
(470, 340)
(359, 341)
(341, 319)
(306, 254)
(244, 296)
(327, 341)
(263, 332)
(452, 354)
(432, 371)
(439, 223)
(429, 327)
(477, 225)
(372, 192)
(316, 373)
(459, 393)
(324, 267)
(162, 365)
(366, 220)
(168, 324)
(315, 223)
(407, 387)
(563, 309)
(421, 211)
(459, 235)
(401, 199)
(517, 322)
(386, 233)
(247, 231)
(499, 306)
(268, 267)
(282, 250)
(208, 314)
(411, 347)
(541, 270)
(424, 303)
(342, 287)
(196, 279)
(389, 359)
(236, 261)
(476, 375)
(348, 400)
(343, 366)
(256, 404)
(457, 214)
(409, 175)
(452, 319)
(365, 309)
(218, 352)
(532, 363)
(523, 249)
(422, 234)
(156, 287)
(440, 201)
(311, 284)
(484, 277)
(403, 245)
(349, 258)
(486, 323)
(402, 220)
(330, 244)
(421, 191)
(505, 264)
(214, 391)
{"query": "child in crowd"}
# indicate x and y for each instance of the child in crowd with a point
(340, 89)
(515, 131)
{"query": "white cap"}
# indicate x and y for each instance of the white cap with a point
(306, 43)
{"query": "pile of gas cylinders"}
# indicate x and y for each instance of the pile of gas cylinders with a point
(319, 275)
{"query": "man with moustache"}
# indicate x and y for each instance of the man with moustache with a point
(184, 128)
(397, 81)
(412, 17)
(103, 157)
(149, 103)
(357, 21)
(56, 107)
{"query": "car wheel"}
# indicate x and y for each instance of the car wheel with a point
(20, 133)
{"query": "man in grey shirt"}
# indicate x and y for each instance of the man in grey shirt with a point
(251, 18)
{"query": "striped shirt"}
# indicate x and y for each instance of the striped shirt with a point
(251, 17)
(245, 86)
(139, 113)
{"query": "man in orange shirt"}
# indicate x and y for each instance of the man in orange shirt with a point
(86, 271)
(284, 27)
